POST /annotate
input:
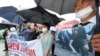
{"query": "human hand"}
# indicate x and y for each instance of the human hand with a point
(96, 42)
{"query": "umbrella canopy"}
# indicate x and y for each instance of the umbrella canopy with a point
(18, 19)
(5, 25)
(7, 9)
(3, 20)
(13, 17)
(28, 14)
(8, 13)
(8, 24)
(39, 15)
(59, 6)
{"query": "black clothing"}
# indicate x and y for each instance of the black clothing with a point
(33, 36)
(5, 41)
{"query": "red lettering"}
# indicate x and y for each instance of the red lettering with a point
(29, 52)
(13, 46)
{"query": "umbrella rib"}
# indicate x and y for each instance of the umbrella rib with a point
(39, 2)
(62, 7)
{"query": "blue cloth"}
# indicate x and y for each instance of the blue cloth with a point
(13, 35)
(80, 37)
(25, 34)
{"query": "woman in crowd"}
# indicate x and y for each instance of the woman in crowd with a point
(46, 39)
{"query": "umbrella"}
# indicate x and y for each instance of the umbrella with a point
(18, 19)
(27, 14)
(59, 6)
(7, 9)
(4, 23)
(43, 18)
(39, 15)
(12, 17)
(9, 14)
(8, 24)
(3, 20)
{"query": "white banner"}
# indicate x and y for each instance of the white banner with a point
(24, 48)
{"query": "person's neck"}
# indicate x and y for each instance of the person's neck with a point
(45, 32)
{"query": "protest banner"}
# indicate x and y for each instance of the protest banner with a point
(24, 48)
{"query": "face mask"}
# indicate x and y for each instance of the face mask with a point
(44, 30)
(84, 13)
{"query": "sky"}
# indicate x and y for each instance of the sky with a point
(19, 4)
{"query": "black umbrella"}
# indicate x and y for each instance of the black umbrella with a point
(59, 6)
(43, 18)
(28, 14)
(39, 15)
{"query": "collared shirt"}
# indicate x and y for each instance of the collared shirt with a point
(93, 20)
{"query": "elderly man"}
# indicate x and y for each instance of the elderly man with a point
(26, 33)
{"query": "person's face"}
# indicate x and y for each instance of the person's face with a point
(37, 28)
(85, 9)
(23, 24)
(83, 4)
(32, 26)
(44, 29)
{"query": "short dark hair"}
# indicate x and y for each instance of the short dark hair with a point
(25, 22)
(35, 24)
(47, 25)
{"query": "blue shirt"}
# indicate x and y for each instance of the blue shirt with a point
(26, 34)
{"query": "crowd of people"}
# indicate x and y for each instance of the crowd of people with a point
(85, 10)
(31, 31)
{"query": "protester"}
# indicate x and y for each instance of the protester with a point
(23, 27)
(34, 33)
(53, 31)
(46, 39)
(5, 36)
(26, 33)
(86, 11)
